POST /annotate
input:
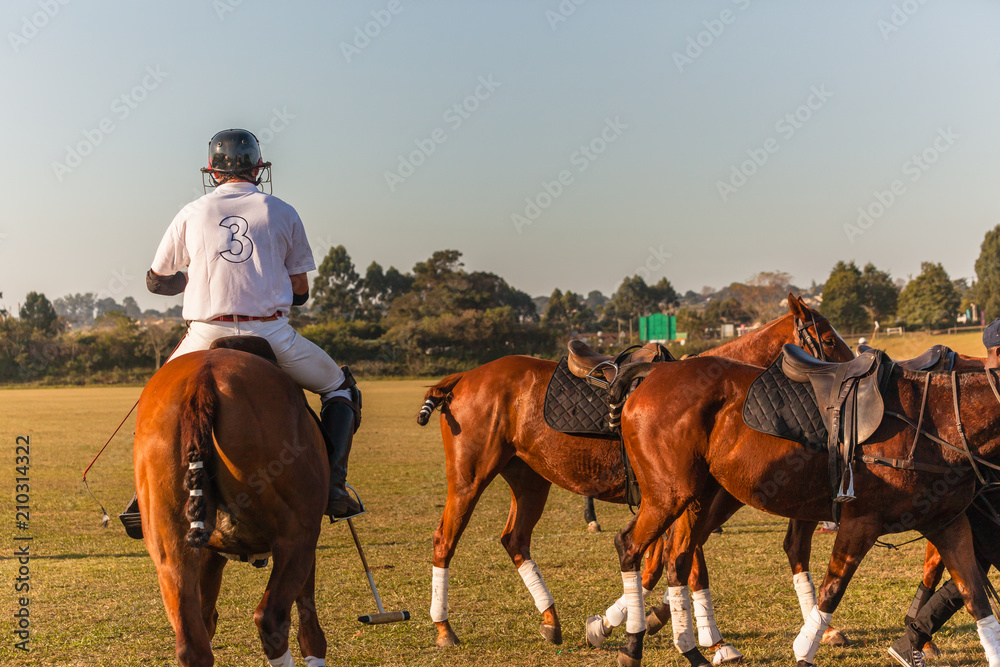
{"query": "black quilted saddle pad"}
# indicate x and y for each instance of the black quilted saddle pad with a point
(778, 406)
(574, 407)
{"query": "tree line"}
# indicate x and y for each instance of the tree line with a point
(439, 317)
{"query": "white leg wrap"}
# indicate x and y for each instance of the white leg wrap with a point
(807, 643)
(680, 617)
(439, 594)
(616, 613)
(635, 620)
(726, 653)
(313, 661)
(989, 635)
(806, 592)
(704, 616)
(283, 661)
(533, 580)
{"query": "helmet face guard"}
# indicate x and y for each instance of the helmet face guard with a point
(234, 154)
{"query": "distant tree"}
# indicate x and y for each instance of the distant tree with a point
(663, 295)
(630, 301)
(335, 288)
(595, 300)
(762, 294)
(725, 311)
(76, 308)
(987, 290)
(579, 315)
(132, 309)
(929, 300)
(176, 311)
(38, 313)
(377, 290)
(105, 306)
(879, 294)
(555, 310)
(159, 340)
(844, 298)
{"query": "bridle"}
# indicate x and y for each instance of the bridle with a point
(806, 340)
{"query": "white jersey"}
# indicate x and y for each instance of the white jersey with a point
(241, 246)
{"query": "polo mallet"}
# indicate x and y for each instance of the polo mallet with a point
(381, 617)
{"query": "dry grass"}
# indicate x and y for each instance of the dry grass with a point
(95, 600)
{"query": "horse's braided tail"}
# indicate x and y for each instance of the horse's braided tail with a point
(196, 439)
(622, 385)
(437, 395)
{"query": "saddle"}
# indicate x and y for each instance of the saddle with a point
(936, 358)
(251, 344)
(850, 402)
(600, 370)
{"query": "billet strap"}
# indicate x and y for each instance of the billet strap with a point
(961, 429)
(904, 464)
(920, 420)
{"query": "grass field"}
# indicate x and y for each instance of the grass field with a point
(94, 598)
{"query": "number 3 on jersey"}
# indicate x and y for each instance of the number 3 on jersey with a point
(239, 247)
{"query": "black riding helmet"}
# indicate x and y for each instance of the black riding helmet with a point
(234, 153)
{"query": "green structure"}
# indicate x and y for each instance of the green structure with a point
(657, 327)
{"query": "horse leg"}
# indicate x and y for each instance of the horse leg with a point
(955, 545)
(855, 538)
(599, 628)
(652, 520)
(798, 548)
(528, 493)
(464, 490)
(177, 570)
(212, 565)
(933, 570)
(312, 641)
(292, 564)
(590, 516)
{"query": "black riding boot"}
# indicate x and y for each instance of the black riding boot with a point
(932, 615)
(338, 419)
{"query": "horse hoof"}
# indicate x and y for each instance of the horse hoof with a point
(931, 649)
(593, 527)
(726, 654)
(834, 637)
(627, 661)
(595, 631)
(654, 622)
(446, 636)
(552, 633)
(696, 659)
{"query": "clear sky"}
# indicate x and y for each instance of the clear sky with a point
(702, 141)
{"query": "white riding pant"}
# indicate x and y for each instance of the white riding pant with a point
(303, 360)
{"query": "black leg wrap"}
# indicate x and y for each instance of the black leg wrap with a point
(696, 659)
(941, 606)
(633, 646)
(921, 597)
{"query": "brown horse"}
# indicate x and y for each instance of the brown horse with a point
(684, 431)
(228, 460)
(492, 423)
(717, 506)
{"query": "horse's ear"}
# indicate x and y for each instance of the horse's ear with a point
(796, 307)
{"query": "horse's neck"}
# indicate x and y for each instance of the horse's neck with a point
(760, 346)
